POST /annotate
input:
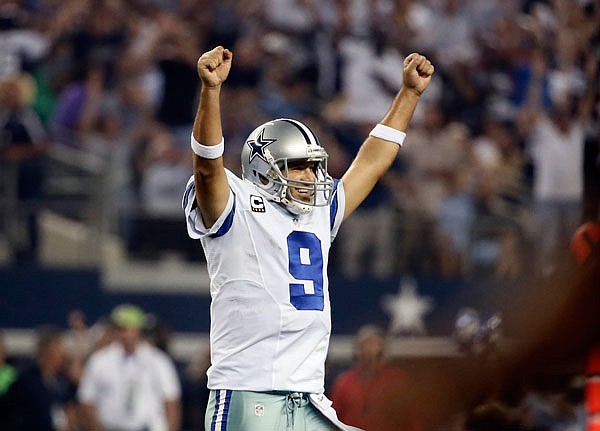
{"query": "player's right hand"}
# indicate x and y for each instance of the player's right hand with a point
(214, 66)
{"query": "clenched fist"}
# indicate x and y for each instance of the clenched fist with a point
(417, 72)
(214, 66)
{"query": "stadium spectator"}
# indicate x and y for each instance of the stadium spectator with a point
(23, 143)
(97, 34)
(42, 398)
(151, 227)
(555, 141)
(78, 105)
(454, 226)
(165, 169)
(434, 152)
(361, 394)
(21, 45)
(130, 385)
(165, 53)
(78, 343)
(367, 243)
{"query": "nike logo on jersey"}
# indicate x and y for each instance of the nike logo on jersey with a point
(257, 204)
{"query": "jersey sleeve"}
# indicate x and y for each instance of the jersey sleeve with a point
(195, 225)
(337, 207)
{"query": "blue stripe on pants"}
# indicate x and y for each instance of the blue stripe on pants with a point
(214, 418)
(219, 419)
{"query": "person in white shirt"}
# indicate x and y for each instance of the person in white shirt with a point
(130, 385)
(555, 140)
(266, 238)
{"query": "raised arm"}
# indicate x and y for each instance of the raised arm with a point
(212, 189)
(376, 155)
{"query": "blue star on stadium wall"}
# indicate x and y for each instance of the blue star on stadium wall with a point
(257, 147)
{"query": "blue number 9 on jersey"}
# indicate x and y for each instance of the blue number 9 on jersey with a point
(306, 265)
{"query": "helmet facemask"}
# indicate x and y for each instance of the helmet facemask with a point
(320, 189)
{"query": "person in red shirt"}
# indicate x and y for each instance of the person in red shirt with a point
(364, 394)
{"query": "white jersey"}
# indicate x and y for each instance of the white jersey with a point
(129, 390)
(270, 311)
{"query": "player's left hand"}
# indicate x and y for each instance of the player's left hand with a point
(416, 73)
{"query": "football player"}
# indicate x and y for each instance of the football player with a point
(266, 237)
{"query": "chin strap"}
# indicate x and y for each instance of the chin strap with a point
(296, 208)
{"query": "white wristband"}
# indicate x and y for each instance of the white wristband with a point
(388, 133)
(208, 151)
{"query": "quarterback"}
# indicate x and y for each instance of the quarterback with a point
(266, 237)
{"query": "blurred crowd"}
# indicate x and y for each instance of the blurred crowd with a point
(379, 392)
(118, 374)
(493, 160)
